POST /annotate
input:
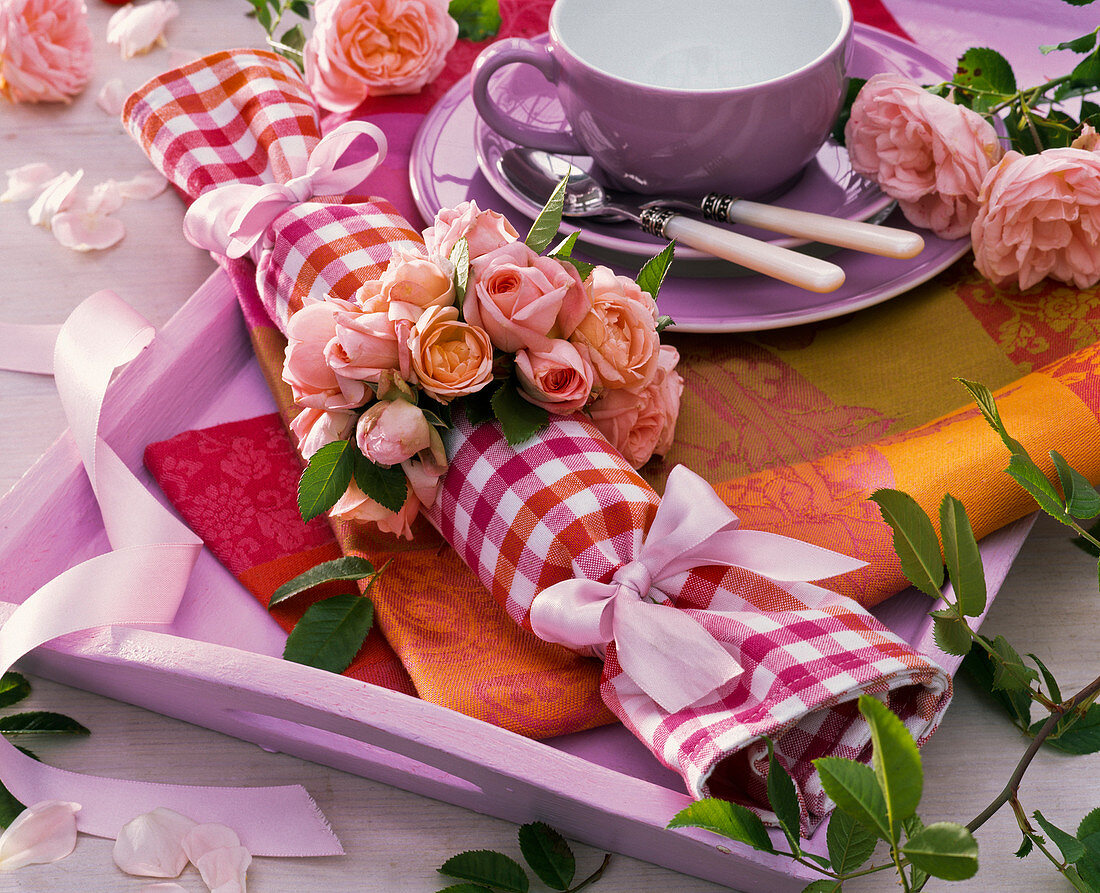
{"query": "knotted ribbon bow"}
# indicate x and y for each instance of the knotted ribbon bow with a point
(232, 219)
(669, 654)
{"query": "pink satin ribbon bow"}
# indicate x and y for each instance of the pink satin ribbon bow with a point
(668, 654)
(232, 219)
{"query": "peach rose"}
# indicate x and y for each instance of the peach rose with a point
(559, 379)
(618, 336)
(393, 431)
(419, 282)
(137, 29)
(45, 50)
(1039, 216)
(362, 48)
(355, 505)
(926, 152)
(641, 423)
(316, 428)
(450, 358)
(484, 231)
(306, 369)
(523, 300)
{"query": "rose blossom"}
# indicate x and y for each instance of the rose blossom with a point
(523, 300)
(363, 48)
(450, 358)
(1040, 216)
(316, 428)
(419, 281)
(926, 152)
(355, 505)
(45, 50)
(618, 336)
(641, 423)
(306, 369)
(392, 431)
(366, 343)
(484, 231)
(559, 379)
(137, 29)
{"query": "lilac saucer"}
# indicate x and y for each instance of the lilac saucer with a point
(444, 172)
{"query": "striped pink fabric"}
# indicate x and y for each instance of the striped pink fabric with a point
(246, 116)
(566, 504)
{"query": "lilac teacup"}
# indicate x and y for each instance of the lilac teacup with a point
(731, 96)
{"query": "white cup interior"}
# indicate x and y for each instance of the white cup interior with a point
(699, 44)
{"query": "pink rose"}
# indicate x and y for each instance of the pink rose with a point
(450, 358)
(316, 428)
(45, 50)
(137, 29)
(641, 423)
(418, 281)
(484, 231)
(425, 474)
(618, 335)
(362, 48)
(355, 505)
(926, 152)
(306, 369)
(392, 431)
(366, 343)
(1040, 216)
(559, 379)
(523, 300)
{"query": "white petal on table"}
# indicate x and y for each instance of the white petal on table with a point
(223, 870)
(44, 832)
(84, 231)
(56, 196)
(111, 96)
(137, 29)
(206, 837)
(151, 845)
(146, 185)
(26, 181)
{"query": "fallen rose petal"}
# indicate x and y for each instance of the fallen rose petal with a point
(26, 181)
(110, 98)
(144, 186)
(151, 845)
(82, 231)
(136, 29)
(201, 839)
(106, 198)
(44, 832)
(56, 196)
(223, 869)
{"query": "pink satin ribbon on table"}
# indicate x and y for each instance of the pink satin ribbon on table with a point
(663, 649)
(233, 219)
(152, 553)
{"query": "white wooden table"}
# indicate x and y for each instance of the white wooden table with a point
(396, 840)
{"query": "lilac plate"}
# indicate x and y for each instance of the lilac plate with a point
(444, 172)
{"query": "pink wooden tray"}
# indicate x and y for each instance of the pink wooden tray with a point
(218, 664)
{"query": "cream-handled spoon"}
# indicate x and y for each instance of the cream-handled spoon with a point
(535, 174)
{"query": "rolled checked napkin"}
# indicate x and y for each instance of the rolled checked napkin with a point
(711, 636)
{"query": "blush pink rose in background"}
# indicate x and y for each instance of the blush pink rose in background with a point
(316, 428)
(484, 231)
(559, 379)
(1040, 216)
(518, 297)
(641, 423)
(392, 431)
(45, 50)
(362, 48)
(618, 335)
(419, 282)
(926, 152)
(306, 368)
(137, 28)
(355, 505)
(450, 358)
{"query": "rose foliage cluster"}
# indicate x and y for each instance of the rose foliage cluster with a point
(483, 319)
(978, 157)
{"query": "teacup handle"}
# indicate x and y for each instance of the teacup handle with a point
(512, 51)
